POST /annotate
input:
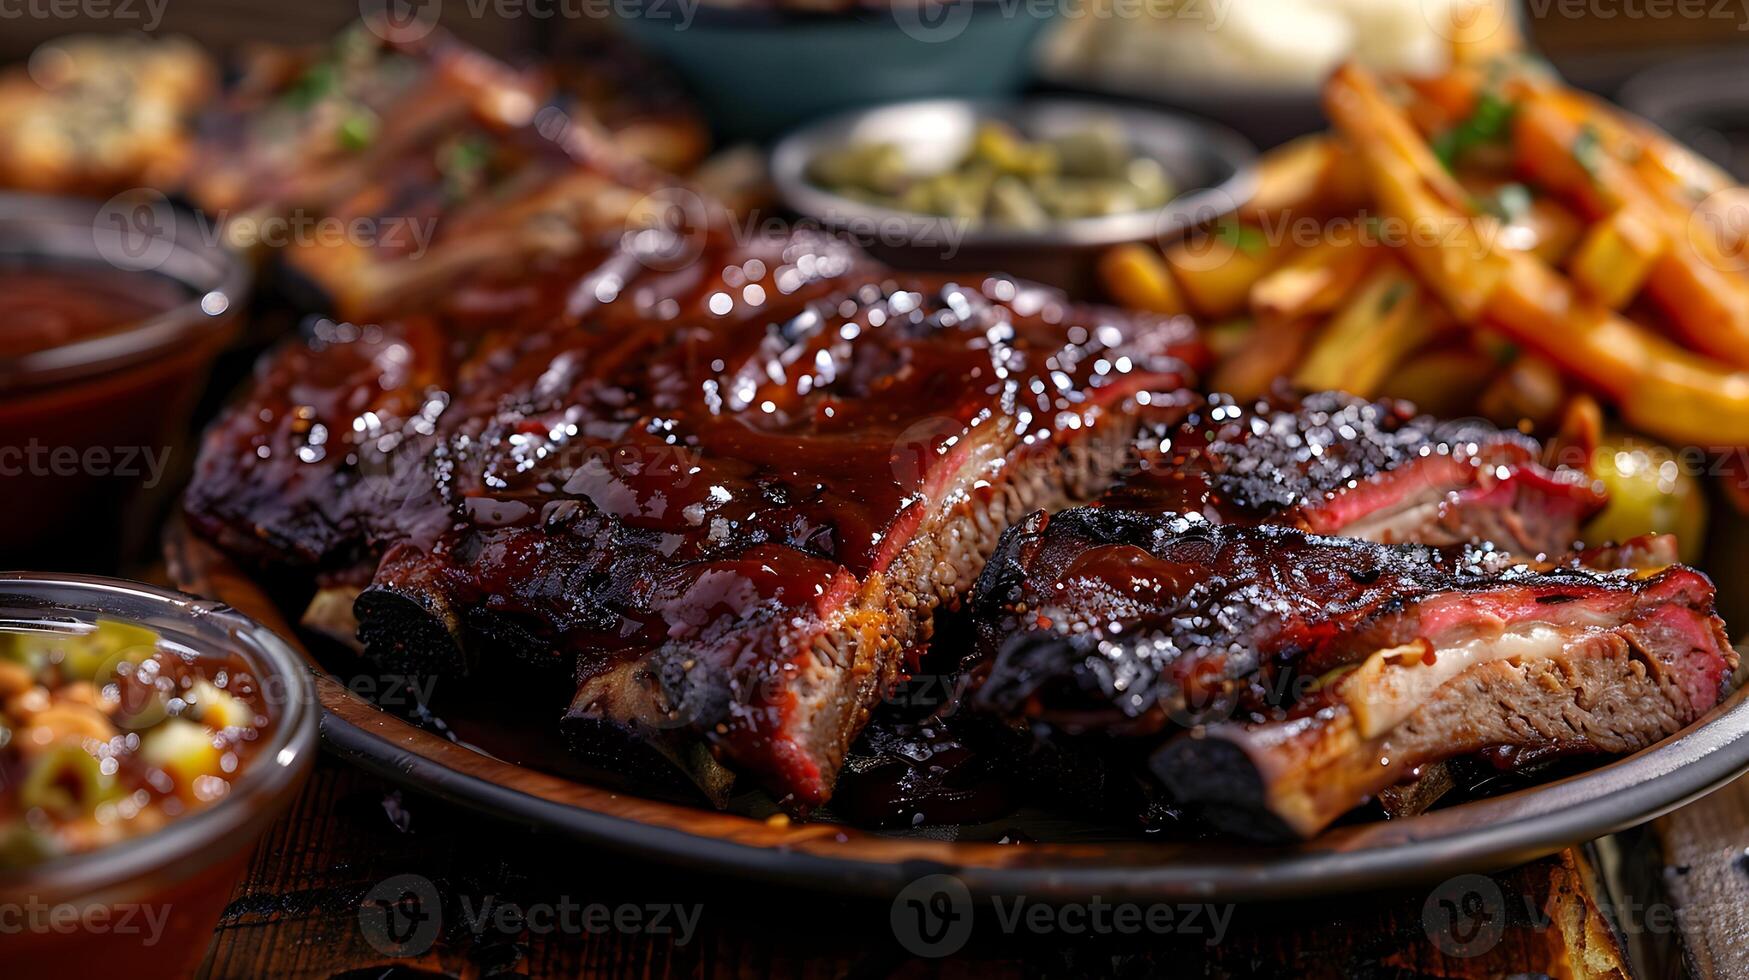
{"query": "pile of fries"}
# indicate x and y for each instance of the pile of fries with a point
(1487, 242)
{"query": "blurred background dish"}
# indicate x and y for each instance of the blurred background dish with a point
(1258, 65)
(98, 115)
(1202, 170)
(760, 70)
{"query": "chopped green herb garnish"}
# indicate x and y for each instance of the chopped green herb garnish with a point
(1487, 123)
(358, 129)
(1509, 203)
(1588, 150)
(463, 164)
(1393, 296)
(467, 156)
(1245, 239)
(313, 85)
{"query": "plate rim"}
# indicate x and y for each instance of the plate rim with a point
(830, 857)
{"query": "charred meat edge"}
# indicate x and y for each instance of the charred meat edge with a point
(1596, 681)
(658, 704)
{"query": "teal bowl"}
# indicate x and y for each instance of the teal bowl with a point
(761, 72)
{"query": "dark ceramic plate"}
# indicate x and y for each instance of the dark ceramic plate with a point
(1073, 864)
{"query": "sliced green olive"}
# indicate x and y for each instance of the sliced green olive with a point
(96, 654)
(1003, 149)
(1012, 203)
(1098, 151)
(1004, 178)
(1147, 178)
(358, 129)
(1650, 492)
(66, 780)
(879, 167)
(21, 847)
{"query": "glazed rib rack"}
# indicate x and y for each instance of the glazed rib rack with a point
(722, 497)
(1287, 675)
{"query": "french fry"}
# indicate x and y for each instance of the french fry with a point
(1578, 437)
(1692, 280)
(1444, 98)
(1215, 270)
(1311, 175)
(1381, 324)
(1528, 222)
(1314, 281)
(1443, 244)
(1530, 390)
(1660, 387)
(1444, 381)
(1137, 277)
(1659, 160)
(1273, 350)
(1553, 228)
(1615, 257)
(1551, 149)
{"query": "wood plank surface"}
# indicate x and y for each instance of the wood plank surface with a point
(472, 897)
(1705, 850)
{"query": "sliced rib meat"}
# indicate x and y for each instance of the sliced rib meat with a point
(1544, 665)
(1334, 464)
(1316, 671)
(1327, 463)
(1209, 592)
(724, 493)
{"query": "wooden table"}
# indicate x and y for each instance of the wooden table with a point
(351, 839)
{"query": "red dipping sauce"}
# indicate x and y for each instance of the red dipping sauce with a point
(101, 360)
(48, 305)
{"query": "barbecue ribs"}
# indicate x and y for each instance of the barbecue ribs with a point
(720, 486)
(1291, 675)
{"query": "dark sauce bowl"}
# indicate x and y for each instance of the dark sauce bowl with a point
(146, 906)
(111, 314)
(761, 68)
